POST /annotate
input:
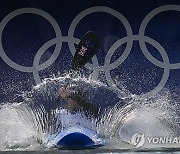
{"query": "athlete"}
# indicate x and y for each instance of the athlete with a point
(78, 107)
(79, 110)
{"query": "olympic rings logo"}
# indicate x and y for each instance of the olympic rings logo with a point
(129, 39)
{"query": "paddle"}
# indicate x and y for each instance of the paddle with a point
(85, 50)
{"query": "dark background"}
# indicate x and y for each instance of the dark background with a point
(26, 33)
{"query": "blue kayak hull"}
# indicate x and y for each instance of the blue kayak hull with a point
(75, 138)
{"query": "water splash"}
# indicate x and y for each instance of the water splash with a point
(153, 117)
(25, 125)
(18, 128)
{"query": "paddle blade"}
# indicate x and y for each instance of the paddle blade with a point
(86, 49)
